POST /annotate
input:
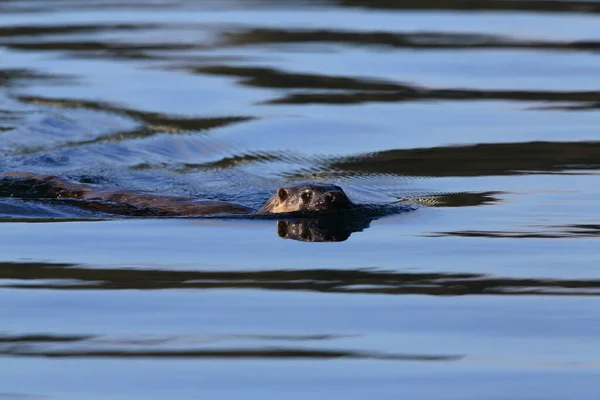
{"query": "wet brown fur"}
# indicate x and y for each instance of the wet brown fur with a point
(309, 197)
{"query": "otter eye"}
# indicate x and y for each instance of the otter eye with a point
(306, 196)
(282, 194)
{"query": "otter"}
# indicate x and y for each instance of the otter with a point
(310, 197)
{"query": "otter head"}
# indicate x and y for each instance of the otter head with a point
(309, 197)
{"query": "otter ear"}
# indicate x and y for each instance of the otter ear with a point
(282, 194)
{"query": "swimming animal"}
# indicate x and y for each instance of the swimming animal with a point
(311, 197)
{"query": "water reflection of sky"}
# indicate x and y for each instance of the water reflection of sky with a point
(535, 231)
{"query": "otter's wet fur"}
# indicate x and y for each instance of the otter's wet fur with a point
(308, 197)
(314, 197)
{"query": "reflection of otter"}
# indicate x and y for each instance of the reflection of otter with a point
(321, 230)
(309, 197)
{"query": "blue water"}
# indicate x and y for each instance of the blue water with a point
(485, 120)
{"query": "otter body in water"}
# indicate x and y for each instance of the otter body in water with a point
(314, 197)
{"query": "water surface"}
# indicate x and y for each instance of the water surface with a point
(482, 116)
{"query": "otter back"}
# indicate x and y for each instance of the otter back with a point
(26, 185)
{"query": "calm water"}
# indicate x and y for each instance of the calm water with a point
(489, 292)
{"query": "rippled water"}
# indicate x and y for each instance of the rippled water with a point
(480, 118)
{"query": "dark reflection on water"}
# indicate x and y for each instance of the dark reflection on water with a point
(544, 232)
(481, 159)
(418, 40)
(21, 77)
(76, 277)
(571, 107)
(450, 5)
(101, 50)
(317, 230)
(466, 5)
(585, 97)
(265, 77)
(366, 90)
(34, 31)
(102, 346)
(152, 123)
